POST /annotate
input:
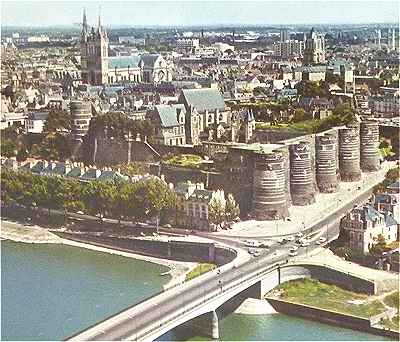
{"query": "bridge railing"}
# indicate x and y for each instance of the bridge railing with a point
(203, 297)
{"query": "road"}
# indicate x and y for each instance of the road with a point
(178, 301)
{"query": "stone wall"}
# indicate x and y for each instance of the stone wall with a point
(330, 317)
(173, 250)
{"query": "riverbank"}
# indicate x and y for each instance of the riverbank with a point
(34, 234)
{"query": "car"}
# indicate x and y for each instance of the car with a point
(321, 240)
(292, 253)
(290, 238)
(299, 235)
(282, 241)
(305, 244)
(265, 245)
(256, 253)
(294, 248)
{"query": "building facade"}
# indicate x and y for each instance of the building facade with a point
(169, 122)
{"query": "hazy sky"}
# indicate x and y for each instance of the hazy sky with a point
(177, 13)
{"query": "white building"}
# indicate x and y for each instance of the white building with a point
(187, 44)
(289, 48)
(364, 225)
(35, 122)
(385, 106)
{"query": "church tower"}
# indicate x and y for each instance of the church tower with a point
(94, 54)
(314, 50)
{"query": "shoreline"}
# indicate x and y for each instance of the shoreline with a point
(18, 232)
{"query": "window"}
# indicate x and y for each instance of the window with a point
(210, 118)
(220, 117)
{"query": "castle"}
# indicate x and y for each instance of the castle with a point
(100, 69)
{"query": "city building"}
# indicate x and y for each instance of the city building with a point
(169, 122)
(387, 106)
(186, 45)
(35, 121)
(364, 225)
(289, 49)
(192, 208)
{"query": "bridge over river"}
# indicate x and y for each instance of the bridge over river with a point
(196, 302)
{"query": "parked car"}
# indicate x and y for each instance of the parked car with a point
(292, 253)
(290, 238)
(282, 241)
(299, 234)
(321, 240)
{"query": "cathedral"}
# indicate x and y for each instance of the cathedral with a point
(314, 50)
(99, 69)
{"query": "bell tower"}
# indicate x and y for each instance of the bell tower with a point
(94, 54)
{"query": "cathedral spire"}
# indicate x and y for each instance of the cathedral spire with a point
(84, 22)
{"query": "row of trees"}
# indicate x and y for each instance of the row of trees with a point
(116, 198)
(220, 211)
(118, 125)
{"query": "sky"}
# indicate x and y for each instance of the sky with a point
(186, 13)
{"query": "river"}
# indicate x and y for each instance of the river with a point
(50, 291)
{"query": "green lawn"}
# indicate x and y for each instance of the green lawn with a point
(199, 270)
(392, 324)
(184, 160)
(329, 297)
(308, 126)
(392, 300)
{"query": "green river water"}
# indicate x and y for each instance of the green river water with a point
(49, 292)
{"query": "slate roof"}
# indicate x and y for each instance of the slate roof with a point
(383, 198)
(39, 167)
(204, 99)
(38, 115)
(204, 195)
(90, 175)
(123, 62)
(369, 213)
(109, 175)
(75, 172)
(390, 220)
(149, 59)
(394, 186)
(168, 114)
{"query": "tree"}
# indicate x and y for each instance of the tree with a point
(158, 197)
(22, 154)
(56, 121)
(8, 148)
(311, 88)
(301, 115)
(98, 196)
(216, 210)
(379, 247)
(232, 210)
(122, 201)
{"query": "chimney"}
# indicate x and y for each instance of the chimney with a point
(98, 173)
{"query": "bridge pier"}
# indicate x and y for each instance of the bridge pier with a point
(214, 326)
(205, 325)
